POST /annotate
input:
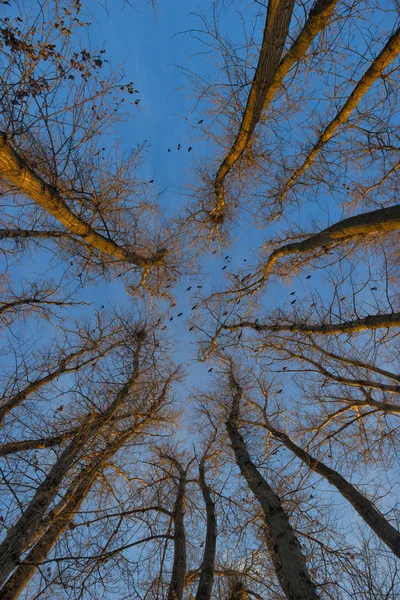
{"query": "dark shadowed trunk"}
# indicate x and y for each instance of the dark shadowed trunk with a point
(204, 589)
(288, 560)
(177, 583)
(365, 508)
(24, 533)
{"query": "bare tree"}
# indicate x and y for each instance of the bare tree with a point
(289, 562)
(81, 200)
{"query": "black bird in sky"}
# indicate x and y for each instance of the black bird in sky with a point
(194, 306)
(293, 301)
(200, 122)
(169, 149)
(373, 289)
(280, 391)
(342, 298)
(313, 304)
(199, 286)
(292, 293)
(191, 328)
(179, 146)
(190, 148)
(224, 267)
(189, 288)
(308, 277)
(284, 368)
(210, 370)
(151, 181)
(180, 314)
(171, 318)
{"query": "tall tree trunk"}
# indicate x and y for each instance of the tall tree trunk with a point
(204, 590)
(21, 576)
(53, 525)
(288, 560)
(364, 507)
(269, 76)
(276, 29)
(177, 583)
(24, 533)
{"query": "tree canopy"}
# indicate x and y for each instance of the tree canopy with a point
(199, 303)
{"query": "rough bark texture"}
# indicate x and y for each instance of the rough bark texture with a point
(269, 76)
(288, 560)
(54, 524)
(279, 14)
(385, 57)
(177, 583)
(24, 533)
(383, 220)
(21, 576)
(204, 590)
(317, 20)
(15, 170)
(382, 321)
(365, 508)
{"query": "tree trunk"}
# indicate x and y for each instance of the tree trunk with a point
(177, 583)
(204, 590)
(42, 548)
(24, 533)
(317, 20)
(11, 234)
(364, 507)
(276, 29)
(288, 560)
